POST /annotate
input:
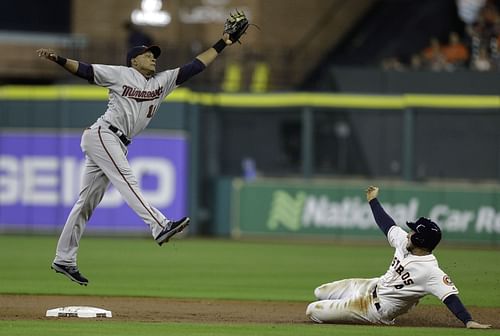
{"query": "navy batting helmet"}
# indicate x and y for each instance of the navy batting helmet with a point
(427, 233)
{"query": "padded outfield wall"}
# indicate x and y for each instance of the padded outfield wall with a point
(41, 161)
(197, 138)
(337, 209)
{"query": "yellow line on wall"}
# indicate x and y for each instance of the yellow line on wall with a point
(271, 100)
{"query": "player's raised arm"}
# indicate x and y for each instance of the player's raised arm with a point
(384, 221)
(202, 60)
(234, 27)
(77, 68)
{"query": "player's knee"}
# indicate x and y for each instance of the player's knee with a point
(317, 292)
(311, 311)
(322, 292)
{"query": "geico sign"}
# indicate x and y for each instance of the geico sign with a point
(51, 180)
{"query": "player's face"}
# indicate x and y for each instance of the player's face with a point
(409, 244)
(145, 63)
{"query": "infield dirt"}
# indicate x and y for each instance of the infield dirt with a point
(32, 307)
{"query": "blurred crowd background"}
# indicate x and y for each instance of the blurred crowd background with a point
(472, 42)
(292, 46)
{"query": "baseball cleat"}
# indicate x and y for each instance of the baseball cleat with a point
(174, 228)
(71, 272)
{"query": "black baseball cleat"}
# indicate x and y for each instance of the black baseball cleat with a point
(174, 228)
(71, 272)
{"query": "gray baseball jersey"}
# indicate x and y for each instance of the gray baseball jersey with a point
(380, 300)
(133, 101)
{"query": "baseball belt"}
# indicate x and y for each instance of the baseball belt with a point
(375, 300)
(123, 138)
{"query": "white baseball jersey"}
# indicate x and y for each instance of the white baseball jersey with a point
(133, 99)
(410, 277)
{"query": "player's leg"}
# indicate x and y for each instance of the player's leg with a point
(341, 289)
(93, 186)
(351, 310)
(347, 301)
(110, 154)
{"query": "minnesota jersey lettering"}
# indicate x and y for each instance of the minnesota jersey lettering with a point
(141, 95)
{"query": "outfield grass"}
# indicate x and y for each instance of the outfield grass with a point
(65, 328)
(197, 268)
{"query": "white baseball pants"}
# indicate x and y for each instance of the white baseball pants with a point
(346, 301)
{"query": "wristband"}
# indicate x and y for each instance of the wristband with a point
(61, 60)
(219, 46)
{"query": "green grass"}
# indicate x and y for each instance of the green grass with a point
(109, 328)
(197, 268)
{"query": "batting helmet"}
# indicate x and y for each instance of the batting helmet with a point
(139, 50)
(427, 233)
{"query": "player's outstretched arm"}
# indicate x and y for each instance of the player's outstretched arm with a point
(458, 309)
(77, 68)
(209, 55)
(51, 55)
(383, 220)
(234, 27)
(201, 61)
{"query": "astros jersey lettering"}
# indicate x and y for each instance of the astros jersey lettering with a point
(410, 277)
(381, 300)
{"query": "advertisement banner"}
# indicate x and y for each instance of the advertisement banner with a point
(276, 207)
(40, 181)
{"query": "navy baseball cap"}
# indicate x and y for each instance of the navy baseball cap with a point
(139, 50)
(427, 233)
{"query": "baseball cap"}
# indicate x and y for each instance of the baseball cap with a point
(139, 50)
(427, 233)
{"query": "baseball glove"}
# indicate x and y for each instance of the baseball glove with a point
(236, 25)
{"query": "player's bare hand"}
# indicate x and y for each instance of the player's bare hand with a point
(47, 53)
(476, 325)
(226, 39)
(371, 193)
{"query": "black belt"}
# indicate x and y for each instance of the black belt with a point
(374, 294)
(123, 137)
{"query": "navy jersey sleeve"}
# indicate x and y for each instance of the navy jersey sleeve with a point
(189, 70)
(383, 220)
(85, 71)
(457, 308)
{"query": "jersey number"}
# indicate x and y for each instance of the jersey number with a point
(151, 112)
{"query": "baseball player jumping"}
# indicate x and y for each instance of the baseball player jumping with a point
(414, 272)
(135, 94)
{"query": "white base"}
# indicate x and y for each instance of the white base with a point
(77, 311)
